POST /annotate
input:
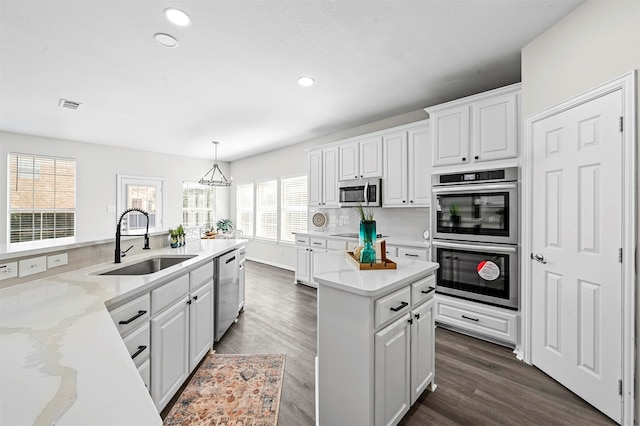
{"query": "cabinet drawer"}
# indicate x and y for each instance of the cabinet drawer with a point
(318, 243)
(138, 344)
(145, 372)
(392, 306)
(302, 241)
(167, 294)
(412, 253)
(482, 319)
(200, 275)
(336, 245)
(130, 315)
(423, 289)
(392, 251)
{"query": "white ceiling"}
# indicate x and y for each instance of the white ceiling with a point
(233, 76)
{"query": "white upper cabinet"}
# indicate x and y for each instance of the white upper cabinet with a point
(407, 167)
(361, 159)
(323, 177)
(479, 128)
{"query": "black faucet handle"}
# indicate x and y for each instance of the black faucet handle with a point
(146, 242)
(124, 253)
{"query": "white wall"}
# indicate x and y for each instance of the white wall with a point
(97, 166)
(292, 161)
(598, 42)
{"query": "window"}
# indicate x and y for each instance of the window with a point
(244, 208)
(293, 207)
(142, 193)
(42, 197)
(267, 209)
(198, 205)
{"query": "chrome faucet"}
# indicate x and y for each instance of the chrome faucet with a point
(119, 252)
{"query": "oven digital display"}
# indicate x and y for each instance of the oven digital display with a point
(469, 176)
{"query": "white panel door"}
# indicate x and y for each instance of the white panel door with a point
(422, 348)
(395, 184)
(349, 161)
(495, 128)
(451, 136)
(330, 177)
(371, 157)
(200, 324)
(392, 372)
(303, 265)
(576, 237)
(419, 159)
(169, 352)
(315, 178)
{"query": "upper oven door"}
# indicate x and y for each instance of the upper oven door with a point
(480, 212)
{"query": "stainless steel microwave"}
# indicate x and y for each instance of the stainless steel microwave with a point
(363, 191)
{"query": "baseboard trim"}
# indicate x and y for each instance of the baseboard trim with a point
(277, 265)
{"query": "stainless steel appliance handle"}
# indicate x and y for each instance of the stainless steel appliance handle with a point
(475, 247)
(366, 193)
(473, 188)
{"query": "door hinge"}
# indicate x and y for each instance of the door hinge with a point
(620, 387)
(621, 124)
(620, 255)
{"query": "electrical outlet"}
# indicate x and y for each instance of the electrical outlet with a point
(111, 209)
(8, 270)
(33, 265)
(57, 260)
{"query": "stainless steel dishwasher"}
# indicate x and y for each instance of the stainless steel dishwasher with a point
(227, 289)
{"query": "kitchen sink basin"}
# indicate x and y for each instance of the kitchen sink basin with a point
(149, 266)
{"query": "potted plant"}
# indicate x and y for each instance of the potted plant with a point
(224, 225)
(454, 214)
(173, 234)
(367, 235)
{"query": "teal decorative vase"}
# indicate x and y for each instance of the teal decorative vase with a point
(368, 241)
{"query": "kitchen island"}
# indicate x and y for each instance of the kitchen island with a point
(375, 339)
(63, 360)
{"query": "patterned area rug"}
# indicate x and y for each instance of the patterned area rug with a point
(232, 390)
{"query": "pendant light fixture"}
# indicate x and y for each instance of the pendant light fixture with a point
(209, 178)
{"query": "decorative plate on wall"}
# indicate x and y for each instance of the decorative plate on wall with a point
(319, 220)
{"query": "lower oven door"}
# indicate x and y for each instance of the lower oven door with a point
(479, 272)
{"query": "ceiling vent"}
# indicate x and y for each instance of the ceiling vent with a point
(65, 103)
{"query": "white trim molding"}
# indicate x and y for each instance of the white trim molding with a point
(627, 85)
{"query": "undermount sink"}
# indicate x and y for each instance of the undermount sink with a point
(149, 266)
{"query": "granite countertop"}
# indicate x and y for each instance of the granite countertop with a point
(391, 240)
(62, 358)
(335, 270)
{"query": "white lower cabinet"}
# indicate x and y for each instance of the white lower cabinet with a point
(391, 350)
(145, 372)
(200, 324)
(170, 352)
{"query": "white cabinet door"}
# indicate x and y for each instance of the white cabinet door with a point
(371, 157)
(169, 352)
(495, 128)
(419, 160)
(349, 161)
(395, 182)
(392, 372)
(422, 348)
(450, 136)
(200, 324)
(303, 266)
(315, 178)
(330, 177)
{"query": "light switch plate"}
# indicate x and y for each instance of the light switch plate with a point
(31, 266)
(57, 260)
(8, 270)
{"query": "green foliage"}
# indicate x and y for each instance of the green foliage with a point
(224, 225)
(366, 215)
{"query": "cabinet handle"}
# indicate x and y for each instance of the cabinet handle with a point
(138, 352)
(411, 201)
(417, 316)
(476, 157)
(470, 319)
(317, 244)
(195, 297)
(189, 302)
(427, 291)
(355, 177)
(230, 260)
(397, 308)
(410, 321)
(411, 255)
(464, 158)
(404, 201)
(133, 318)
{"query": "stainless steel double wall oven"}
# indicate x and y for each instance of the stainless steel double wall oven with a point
(475, 230)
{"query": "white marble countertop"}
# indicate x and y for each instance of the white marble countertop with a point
(62, 359)
(335, 270)
(397, 241)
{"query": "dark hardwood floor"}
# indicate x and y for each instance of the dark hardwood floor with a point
(479, 383)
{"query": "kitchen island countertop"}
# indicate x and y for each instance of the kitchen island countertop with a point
(62, 358)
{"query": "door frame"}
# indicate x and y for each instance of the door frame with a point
(627, 84)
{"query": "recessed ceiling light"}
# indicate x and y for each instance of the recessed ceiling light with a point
(305, 81)
(177, 17)
(165, 40)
